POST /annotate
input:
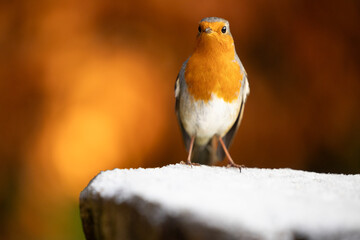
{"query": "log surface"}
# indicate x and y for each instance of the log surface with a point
(201, 202)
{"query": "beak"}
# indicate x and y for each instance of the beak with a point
(208, 30)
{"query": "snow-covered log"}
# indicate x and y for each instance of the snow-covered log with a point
(201, 202)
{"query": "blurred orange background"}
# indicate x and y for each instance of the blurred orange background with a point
(88, 86)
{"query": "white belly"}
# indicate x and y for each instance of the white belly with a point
(206, 119)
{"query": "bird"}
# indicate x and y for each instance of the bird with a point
(210, 94)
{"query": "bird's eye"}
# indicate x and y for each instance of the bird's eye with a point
(223, 30)
(199, 29)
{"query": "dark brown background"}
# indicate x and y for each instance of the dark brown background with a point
(89, 86)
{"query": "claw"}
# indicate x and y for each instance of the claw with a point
(193, 164)
(234, 165)
(189, 163)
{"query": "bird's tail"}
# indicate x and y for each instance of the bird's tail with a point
(206, 154)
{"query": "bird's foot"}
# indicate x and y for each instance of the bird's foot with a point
(234, 165)
(189, 163)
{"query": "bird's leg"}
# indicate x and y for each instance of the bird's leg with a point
(232, 163)
(188, 160)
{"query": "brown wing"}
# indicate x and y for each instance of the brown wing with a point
(184, 134)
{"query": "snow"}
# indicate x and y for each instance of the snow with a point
(268, 203)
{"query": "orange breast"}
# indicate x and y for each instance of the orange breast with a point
(211, 70)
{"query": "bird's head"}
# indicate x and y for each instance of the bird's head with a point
(214, 34)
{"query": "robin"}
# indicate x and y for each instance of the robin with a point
(211, 90)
